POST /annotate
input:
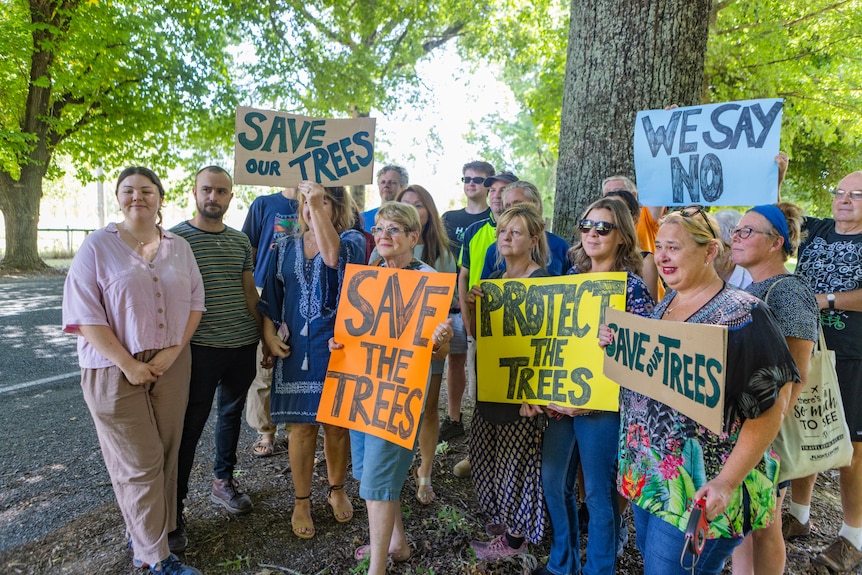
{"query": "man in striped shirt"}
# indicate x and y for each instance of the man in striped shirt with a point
(223, 347)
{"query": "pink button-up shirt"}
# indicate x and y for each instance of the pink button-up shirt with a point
(146, 304)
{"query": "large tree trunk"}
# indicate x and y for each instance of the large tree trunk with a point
(20, 204)
(623, 56)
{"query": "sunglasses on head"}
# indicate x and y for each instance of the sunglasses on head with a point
(694, 209)
(475, 180)
(602, 228)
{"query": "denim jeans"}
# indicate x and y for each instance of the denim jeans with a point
(231, 370)
(661, 543)
(591, 441)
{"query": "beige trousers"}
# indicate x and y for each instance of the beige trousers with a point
(139, 429)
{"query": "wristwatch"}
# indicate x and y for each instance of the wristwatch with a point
(830, 297)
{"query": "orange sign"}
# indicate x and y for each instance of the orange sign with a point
(377, 382)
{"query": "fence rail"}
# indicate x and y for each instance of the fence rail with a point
(52, 239)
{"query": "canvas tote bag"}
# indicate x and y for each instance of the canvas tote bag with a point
(814, 436)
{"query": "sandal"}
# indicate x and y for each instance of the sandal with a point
(342, 514)
(303, 530)
(264, 445)
(424, 492)
(364, 552)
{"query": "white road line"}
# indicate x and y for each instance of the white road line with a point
(52, 379)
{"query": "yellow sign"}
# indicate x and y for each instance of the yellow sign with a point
(279, 149)
(377, 382)
(538, 340)
(678, 364)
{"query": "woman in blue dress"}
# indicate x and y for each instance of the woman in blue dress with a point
(298, 302)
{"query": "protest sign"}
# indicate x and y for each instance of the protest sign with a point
(715, 154)
(280, 149)
(538, 340)
(377, 382)
(679, 364)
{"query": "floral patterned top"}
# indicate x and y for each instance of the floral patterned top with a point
(665, 457)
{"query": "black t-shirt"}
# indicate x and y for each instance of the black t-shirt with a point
(832, 262)
(456, 223)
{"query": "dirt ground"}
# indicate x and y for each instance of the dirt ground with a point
(262, 543)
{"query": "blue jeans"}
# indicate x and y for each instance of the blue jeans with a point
(231, 370)
(591, 441)
(661, 543)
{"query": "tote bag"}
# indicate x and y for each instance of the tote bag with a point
(814, 436)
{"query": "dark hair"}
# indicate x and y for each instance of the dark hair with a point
(478, 166)
(630, 200)
(147, 173)
(435, 241)
(216, 169)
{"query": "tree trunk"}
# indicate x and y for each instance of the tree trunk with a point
(623, 56)
(20, 201)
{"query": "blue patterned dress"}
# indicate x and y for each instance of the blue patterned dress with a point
(304, 294)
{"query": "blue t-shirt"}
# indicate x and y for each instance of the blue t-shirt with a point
(269, 219)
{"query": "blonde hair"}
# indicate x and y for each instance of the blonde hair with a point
(342, 212)
(702, 230)
(540, 253)
(435, 241)
(400, 213)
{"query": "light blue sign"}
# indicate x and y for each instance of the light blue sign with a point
(715, 154)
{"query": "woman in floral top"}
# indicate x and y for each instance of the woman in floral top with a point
(668, 461)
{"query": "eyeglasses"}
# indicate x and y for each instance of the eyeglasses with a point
(391, 232)
(746, 232)
(475, 180)
(693, 210)
(602, 228)
(854, 195)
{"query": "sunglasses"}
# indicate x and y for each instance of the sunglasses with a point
(602, 228)
(694, 209)
(475, 180)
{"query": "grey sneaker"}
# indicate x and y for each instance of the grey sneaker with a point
(791, 528)
(227, 494)
(841, 555)
(173, 566)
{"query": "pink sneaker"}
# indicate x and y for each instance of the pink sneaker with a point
(496, 549)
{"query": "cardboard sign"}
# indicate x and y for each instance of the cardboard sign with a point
(279, 149)
(538, 340)
(679, 364)
(715, 155)
(377, 382)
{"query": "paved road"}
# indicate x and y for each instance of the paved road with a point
(51, 470)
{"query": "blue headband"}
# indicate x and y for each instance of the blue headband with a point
(778, 221)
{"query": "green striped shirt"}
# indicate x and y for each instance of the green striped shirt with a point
(222, 258)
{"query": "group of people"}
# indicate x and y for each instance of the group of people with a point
(167, 317)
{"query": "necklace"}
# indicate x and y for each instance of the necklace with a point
(670, 310)
(140, 243)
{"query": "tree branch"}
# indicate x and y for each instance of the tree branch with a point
(790, 23)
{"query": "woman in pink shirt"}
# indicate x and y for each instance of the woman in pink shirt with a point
(134, 297)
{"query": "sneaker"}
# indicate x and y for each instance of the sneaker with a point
(178, 539)
(173, 566)
(450, 429)
(496, 549)
(462, 468)
(227, 494)
(840, 556)
(791, 528)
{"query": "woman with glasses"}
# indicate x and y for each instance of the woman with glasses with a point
(586, 438)
(762, 242)
(298, 302)
(667, 460)
(379, 465)
(506, 447)
(650, 273)
(431, 247)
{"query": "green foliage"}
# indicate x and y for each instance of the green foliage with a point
(236, 564)
(328, 57)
